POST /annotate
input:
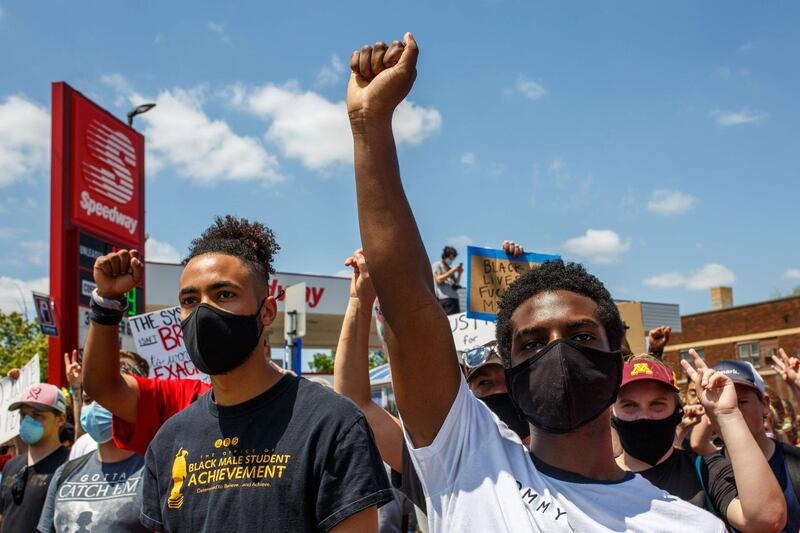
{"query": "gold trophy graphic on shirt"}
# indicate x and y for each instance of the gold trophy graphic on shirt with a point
(175, 500)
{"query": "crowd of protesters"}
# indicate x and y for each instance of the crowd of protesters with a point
(552, 426)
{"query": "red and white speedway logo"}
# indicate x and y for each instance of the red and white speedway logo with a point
(112, 174)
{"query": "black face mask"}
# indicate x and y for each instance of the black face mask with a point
(645, 439)
(565, 385)
(218, 341)
(501, 405)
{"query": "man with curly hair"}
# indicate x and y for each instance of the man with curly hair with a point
(559, 335)
(264, 450)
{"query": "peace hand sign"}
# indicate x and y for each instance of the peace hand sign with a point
(73, 369)
(787, 367)
(716, 391)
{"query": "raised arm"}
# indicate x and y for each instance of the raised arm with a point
(760, 505)
(73, 370)
(425, 371)
(115, 274)
(789, 370)
(351, 366)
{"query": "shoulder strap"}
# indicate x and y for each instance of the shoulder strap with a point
(791, 458)
(698, 461)
(71, 466)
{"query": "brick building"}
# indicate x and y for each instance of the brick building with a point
(750, 332)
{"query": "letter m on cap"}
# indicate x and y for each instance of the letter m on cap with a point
(641, 368)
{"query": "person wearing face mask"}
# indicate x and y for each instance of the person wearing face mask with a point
(262, 450)
(26, 477)
(447, 276)
(558, 334)
(738, 489)
(482, 368)
(100, 490)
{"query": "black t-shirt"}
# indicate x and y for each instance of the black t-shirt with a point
(298, 457)
(678, 476)
(778, 465)
(24, 517)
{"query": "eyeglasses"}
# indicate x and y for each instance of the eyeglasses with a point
(18, 485)
(475, 357)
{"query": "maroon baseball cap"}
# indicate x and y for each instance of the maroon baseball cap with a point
(640, 369)
(42, 396)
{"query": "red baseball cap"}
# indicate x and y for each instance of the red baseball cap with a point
(639, 369)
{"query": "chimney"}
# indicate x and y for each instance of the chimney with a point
(721, 297)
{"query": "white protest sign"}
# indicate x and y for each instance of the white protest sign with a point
(159, 339)
(10, 391)
(470, 332)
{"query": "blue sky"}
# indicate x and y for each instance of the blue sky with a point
(657, 143)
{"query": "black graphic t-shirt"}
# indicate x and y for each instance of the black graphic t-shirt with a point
(298, 457)
(22, 515)
(678, 476)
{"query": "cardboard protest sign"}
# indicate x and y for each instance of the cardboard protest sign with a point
(469, 333)
(489, 274)
(159, 339)
(10, 391)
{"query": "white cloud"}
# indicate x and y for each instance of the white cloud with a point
(219, 29)
(792, 273)
(528, 88)
(36, 252)
(460, 241)
(344, 273)
(24, 139)
(666, 202)
(331, 73)
(122, 89)
(598, 246)
(15, 294)
(735, 118)
(468, 159)
(309, 127)
(160, 252)
(207, 151)
(710, 275)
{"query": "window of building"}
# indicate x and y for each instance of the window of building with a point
(748, 351)
(767, 348)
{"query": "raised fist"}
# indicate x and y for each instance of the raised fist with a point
(361, 284)
(659, 338)
(117, 273)
(381, 77)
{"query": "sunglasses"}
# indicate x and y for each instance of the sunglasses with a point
(475, 357)
(19, 484)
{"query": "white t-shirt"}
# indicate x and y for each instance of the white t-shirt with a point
(478, 476)
(85, 444)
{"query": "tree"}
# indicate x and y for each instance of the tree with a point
(20, 340)
(322, 362)
(376, 358)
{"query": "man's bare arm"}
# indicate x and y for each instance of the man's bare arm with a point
(115, 274)
(425, 371)
(351, 366)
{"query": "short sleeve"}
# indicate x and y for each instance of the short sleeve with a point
(409, 481)
(437, 464)
(150, 516)
(721, 483)
(49, 509)
(158, 399)
(353, 477)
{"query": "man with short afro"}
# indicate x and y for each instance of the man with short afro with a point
(263, 450)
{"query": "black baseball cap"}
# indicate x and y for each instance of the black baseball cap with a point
(741, 373)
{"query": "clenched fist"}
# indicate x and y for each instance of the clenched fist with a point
(381, 77)
(117, 273)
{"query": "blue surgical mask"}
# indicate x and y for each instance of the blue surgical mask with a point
(96, 420)
(448, 261)
(30, 430)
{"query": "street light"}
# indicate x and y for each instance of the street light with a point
(138, 110)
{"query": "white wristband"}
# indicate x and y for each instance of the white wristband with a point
(109, 303)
